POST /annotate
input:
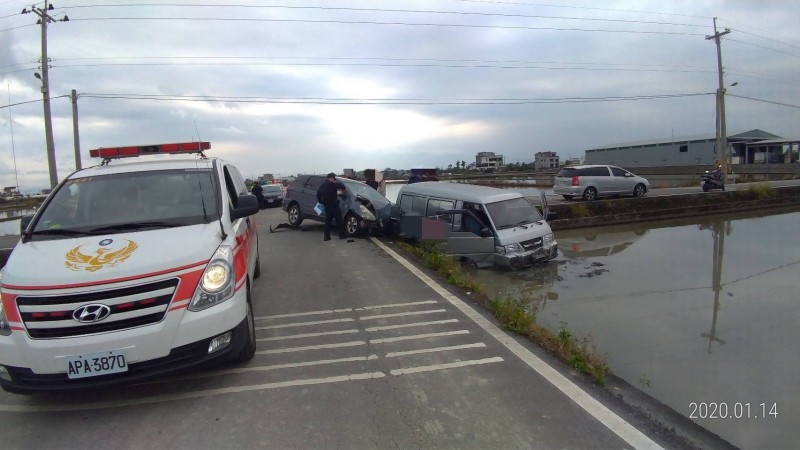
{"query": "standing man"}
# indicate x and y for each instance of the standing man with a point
(258, 191)
(327, 195)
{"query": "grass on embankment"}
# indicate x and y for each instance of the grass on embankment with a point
(517, 315)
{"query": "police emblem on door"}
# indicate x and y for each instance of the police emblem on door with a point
(107, 254)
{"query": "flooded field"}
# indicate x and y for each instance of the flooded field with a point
(702, 315)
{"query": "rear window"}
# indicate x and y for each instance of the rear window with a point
(567, 172)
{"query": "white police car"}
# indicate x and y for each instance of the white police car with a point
(130, 270)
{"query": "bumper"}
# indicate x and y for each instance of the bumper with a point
(568, 190)
(25, 381)
(522, 260)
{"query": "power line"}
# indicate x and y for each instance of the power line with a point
(416, 24)
(763, 47)
(386, 10)
(385, 101)
(497, 2)
(764, 101)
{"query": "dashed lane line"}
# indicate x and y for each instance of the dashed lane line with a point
(305, 324)
(403, 314)
(417, 336)
(434, 367)
(434, 350)
(307, 335)
(344, 310)
(410, 325)
(311, 347)
(612, 421)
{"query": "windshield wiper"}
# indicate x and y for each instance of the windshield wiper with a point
(61, 232)
(513, 225)
(136, 226)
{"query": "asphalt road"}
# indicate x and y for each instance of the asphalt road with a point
(357, 348)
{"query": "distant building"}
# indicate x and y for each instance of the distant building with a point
(488, 161)
(683, 151)
(348, 173)
(545, 161)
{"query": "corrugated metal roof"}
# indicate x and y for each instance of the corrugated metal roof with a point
(747, 135)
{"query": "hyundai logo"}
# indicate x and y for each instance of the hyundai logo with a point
(91, 313)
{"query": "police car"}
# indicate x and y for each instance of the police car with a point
(130, 270)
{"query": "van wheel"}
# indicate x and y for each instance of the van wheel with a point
(249, 349)
(590, 194)
(351, 225)
(639, 190)
(567, 197)
(294, 215)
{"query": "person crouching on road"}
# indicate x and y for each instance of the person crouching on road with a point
(327, 195)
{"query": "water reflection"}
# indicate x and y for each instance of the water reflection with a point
(705, 309)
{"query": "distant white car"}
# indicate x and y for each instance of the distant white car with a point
(593, 181)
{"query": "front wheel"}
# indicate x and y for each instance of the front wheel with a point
(351, 225)
(249, 349)
(294, 215)
(639, 190)
(590, 194)
(705, 187)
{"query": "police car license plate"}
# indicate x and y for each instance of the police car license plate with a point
(94, 364)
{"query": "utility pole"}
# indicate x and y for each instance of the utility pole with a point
(722, 138)
(76, 139)
(44, 19)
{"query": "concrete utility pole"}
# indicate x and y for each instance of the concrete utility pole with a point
(44, 19)
(75, 135)
(722, 138)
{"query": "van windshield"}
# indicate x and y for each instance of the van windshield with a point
(123, 201)
(510, 213)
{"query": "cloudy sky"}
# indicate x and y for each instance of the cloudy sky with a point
(292, 86)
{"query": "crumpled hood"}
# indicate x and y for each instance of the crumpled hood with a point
(91, 259)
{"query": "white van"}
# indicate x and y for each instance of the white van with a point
(490, 226)
(130, 270)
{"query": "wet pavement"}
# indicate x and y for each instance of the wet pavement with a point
(700, 314)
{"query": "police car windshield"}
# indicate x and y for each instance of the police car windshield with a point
(509, 213)
(118, 202)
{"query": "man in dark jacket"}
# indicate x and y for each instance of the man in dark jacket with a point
(258, 191)
(327, 195)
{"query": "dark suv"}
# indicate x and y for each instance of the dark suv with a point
(363, 208)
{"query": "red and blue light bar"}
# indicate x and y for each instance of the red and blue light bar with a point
(161, 149)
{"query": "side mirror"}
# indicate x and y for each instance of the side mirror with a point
(551, 216)
(247, 205)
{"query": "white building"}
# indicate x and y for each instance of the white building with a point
(545, 161)
(488, 161)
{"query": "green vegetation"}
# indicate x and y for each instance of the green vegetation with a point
(516, 314)
(760, 191)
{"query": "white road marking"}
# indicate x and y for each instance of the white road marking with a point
(409, 325)
(453, 365)
(334, 311)
(417, 336)
(307, 335)
(434, 350)
(304, 324)
(310, 347)
(612, 421)
(403, 314)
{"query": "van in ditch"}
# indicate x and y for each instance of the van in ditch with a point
(489, 226)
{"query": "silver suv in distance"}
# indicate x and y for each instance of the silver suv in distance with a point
(591, 182)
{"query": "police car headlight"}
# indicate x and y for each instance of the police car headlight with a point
(366, 214)
(218, 282)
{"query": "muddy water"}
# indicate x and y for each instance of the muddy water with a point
(703, 315)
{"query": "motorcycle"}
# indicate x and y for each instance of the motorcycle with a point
(712, 180)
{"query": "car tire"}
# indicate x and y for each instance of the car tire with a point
(590, 194)
(639, 190)
(294, 215)
(567, 197)
(249, 349)
(351, 228)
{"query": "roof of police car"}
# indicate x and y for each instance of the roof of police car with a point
(140, 164)
(461, 191)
